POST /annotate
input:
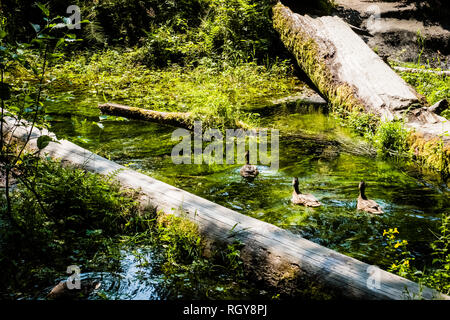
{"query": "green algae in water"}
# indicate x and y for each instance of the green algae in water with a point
(412, 201)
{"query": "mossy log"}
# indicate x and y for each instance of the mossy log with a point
(178, 119)
(354, 78)
(341, 65)
(272, 255)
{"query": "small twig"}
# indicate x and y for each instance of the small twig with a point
(415, 70)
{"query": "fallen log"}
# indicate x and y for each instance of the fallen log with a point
(341, 65)
(354, 78)
(178, 119)
(300, 99)
(273, 255)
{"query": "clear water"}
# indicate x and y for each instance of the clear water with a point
(313, 147)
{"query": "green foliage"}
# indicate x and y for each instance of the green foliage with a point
(230, 30)
(237, 29)
(85, 219)
(64, 224)
(217, 94)
(391, 138)
(129, 22)
(433, 86)
(185, 267)
(363, 123)
(24, 100)
(437, 277)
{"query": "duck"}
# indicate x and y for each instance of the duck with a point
(307, 200)
(365, 204)
(249, 170)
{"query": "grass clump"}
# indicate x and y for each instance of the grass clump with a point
(391, 138)
(63, 225)
(433, 86)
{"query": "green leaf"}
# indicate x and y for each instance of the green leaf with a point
(100, 125)
(36, 27)
(43, 8)
(43, 141)
(60, 41)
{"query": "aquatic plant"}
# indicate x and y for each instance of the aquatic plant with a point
(437, 277)
(390, 138)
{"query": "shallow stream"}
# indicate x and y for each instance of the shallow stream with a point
(329, 160)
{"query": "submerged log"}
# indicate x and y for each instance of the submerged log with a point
(178, 119)
(61, 290)
(273, 255)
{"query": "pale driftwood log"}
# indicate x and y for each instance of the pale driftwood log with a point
(271, 254)
(414, 70)
(349, 73)
(178, 119)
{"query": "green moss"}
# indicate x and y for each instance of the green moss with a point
(430, 153)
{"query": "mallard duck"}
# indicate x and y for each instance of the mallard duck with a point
(366, 204)
(248, 170)
(307, 200)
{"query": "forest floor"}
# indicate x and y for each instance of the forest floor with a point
(399, 31)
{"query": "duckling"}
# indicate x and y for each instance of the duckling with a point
(366, 204)
(248, 170)
(307, 200)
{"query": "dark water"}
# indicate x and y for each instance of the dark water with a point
(328, 159)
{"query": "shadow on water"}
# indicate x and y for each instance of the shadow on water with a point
(313, 147)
